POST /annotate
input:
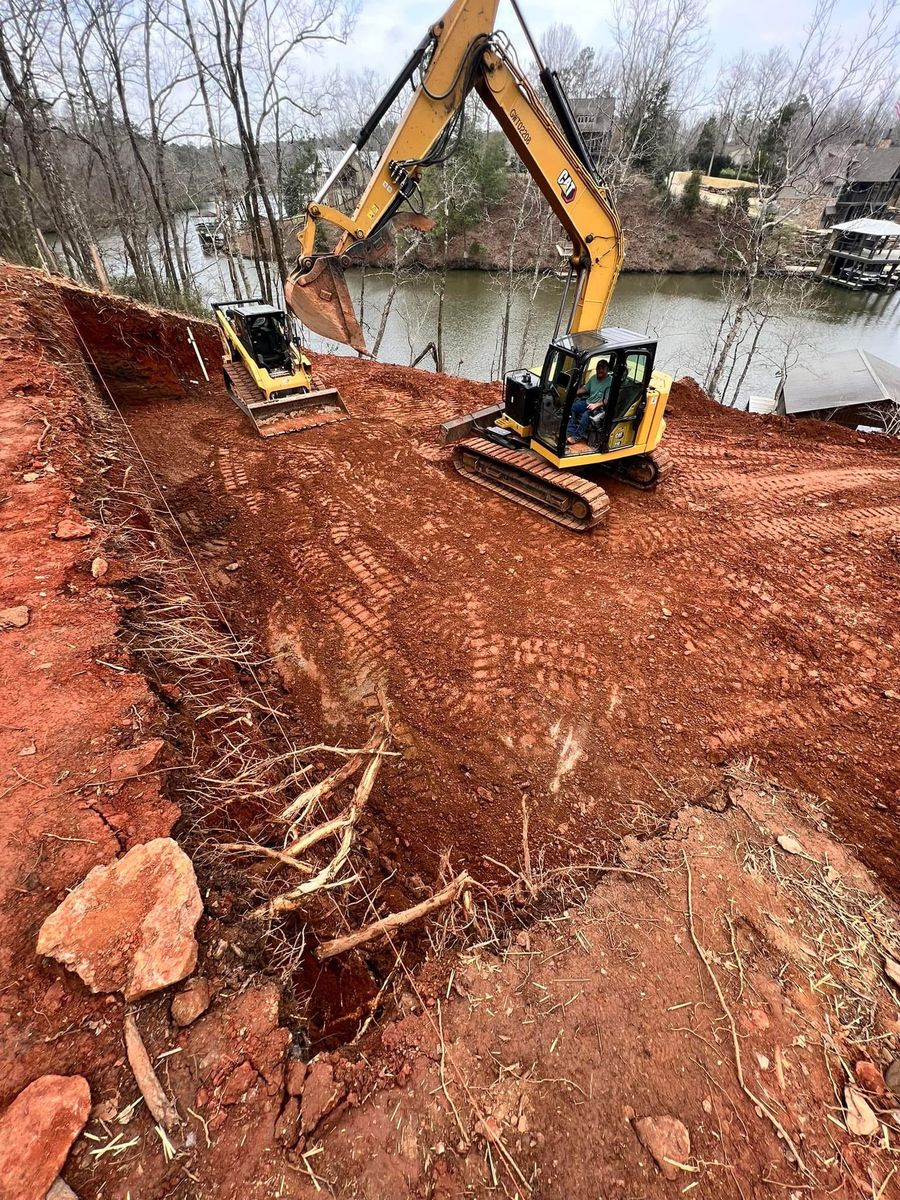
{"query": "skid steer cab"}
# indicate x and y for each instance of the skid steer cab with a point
(267, 373)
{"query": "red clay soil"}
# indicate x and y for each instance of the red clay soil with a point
(72, 702)
(745, 610)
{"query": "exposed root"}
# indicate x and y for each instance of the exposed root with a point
(385, 926)
(729, 1016)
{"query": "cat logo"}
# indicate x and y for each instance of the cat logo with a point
(567, 186)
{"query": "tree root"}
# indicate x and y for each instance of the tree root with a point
(386, 925)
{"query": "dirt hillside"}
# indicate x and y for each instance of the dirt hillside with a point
(666, 754)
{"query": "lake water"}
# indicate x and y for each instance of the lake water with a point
(681, 311)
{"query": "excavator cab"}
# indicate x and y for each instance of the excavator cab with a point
(570, 363)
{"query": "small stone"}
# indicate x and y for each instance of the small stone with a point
(129, 763)
(668, 1141)
(233, 566)
(296, 1074)
(129, 926)
(892, 1077)
(321, 1093)
(790, 844)
(861, 1120)
(869, 1077)
(70, 528)
(106, 1111)
(241, 1080)
(37, 1131)
(31, 476)
(763, 1062)
(99, 567)
(489, 1128)
(15, 618)
(191, 1002)
(758, 1018)
(60, 1190)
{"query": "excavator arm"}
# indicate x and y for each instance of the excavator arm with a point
(461, 53)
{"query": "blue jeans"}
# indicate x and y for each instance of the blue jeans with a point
(578, 420)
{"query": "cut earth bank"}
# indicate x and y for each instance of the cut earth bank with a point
(665, 754)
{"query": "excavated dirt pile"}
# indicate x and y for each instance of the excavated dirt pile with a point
(627, 691)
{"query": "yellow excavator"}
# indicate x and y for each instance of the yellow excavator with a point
(540, 447)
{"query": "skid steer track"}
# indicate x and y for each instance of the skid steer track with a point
(526, 479)
(290, 414)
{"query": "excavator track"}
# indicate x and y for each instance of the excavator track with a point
(645, 471)
(523, 477)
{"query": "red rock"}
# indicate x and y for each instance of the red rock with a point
(72, 527)
(241, 1080)
(296, 1073)
(287, 1127)
(129, 926)
(321, 1093)
(129, 763)
(37, 1131)
(191, 1002)
(15, 618)
(668, 1141)
(869, 1077)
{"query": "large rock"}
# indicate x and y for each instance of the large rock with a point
(36, 1133)
(129, 926)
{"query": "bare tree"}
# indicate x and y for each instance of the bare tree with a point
(792, 108)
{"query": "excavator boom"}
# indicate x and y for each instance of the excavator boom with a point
(461, 52)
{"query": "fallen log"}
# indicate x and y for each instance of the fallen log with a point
(386, 925)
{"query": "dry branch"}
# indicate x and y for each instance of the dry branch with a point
(386, 925)
(161, 1107)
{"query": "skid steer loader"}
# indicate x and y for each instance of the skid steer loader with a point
(267, 374)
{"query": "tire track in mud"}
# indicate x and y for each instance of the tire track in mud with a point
(734, 613)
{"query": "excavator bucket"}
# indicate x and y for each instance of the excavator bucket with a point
(284, 414)
(321, 300)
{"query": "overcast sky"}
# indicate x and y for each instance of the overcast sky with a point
(388, 30)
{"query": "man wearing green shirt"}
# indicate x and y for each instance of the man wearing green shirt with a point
(590, 399)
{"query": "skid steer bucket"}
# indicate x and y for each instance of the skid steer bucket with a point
(320, 298)
(282, 414)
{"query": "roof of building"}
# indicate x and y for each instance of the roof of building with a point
(870, 227)
(839, 380)
(877, 166)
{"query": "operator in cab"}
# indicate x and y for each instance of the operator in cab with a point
(589, 399)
